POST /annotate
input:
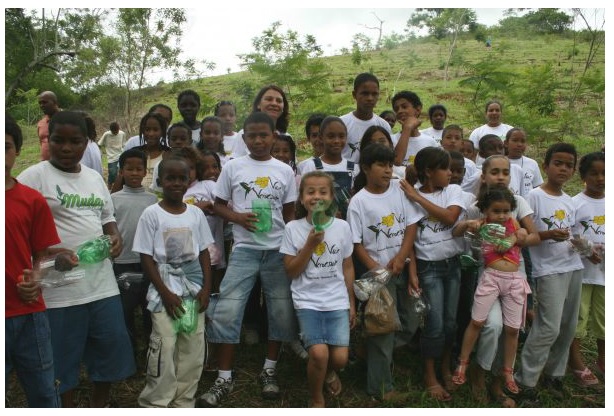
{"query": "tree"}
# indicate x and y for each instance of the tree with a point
(290, 62)
(444, 23)
(549, 20)
(380, 29)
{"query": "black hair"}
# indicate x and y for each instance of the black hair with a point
(430, 158)
(188, 93)
(450, 127)
(561, 148)
(207, 152)
(329, 120)
(466, 141)
(436, 107)
(493, 102)
(133, 153)
(163, 128)
(368, 134)
(212, 119)
(587, 160)
(484, 144)
(114, 125)
(12, 129)
(222, 103)
(454, 155)
(489, 194)
(364, 78)
(72, 118)
(410, 96)
(191, 154)
(179, 125)
(166, 160)
(288, 139)
(385, 113)
(91, 127)
(299, 208)
(375, 152)
(313, 120)
(154, 107)
(284, 119)
(512, 131)
(259, 117)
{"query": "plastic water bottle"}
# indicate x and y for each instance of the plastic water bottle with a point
(262, 209)
(188, 322)
(95, 250)
(323, 215)
(56, 271)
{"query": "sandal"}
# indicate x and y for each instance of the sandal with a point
(459, 376)
(585, 377)
(509, 384)
(333, 384)
(437, 392)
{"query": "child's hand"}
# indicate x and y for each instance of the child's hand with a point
(206, 206)
(172, 304)
(521, 236)
(559, 234)
(410, 124)
(413, 285)
(116, 245)
(65, 261)
(247, 220)
(352, 316)
(203, 298)
(396, 265)
(314, 238)
(28, 289)
(409, 190)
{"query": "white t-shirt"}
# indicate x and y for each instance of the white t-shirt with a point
(195, 136)
(516, 177)
(113, 144)
(590, 224)
(356, 129)
(501, 130)
(414, 145)
(532, 176)
(81, 205)
(240, 148)
(310, 166)
(92, 158)
(134, 141)
(550, 211)
(378, 221)
(433, 133)
(434, 240)
(172, 238)
(243, 180)
(201, 191)
(321, 286)
(301, 165)
(230, 141)
(471, 178)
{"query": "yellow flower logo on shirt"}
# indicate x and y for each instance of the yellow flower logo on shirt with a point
(388, 220)
(190, 200)
(262, 181)
(559, 214)
(411, 159)
(599, 219)
(320, 249)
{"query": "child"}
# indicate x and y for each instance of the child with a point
(113, 141)
(30, 229)
(284, 150)
(211, 137)
(515, 145)
(246, 182)
(491, 145)
(320, 266)
(129, 204)
(227, 112)
(383, 224)
(590, 224)
(437, 262)
(452, 141)
(92, 158)
(366, 94)
(377, 134)
(85, 317)
(407, 107)
(438, 115)
(312, 134)
(172, 238)
(334, 138)
(493, 126)
(162, 109)
(179, 136)
(469, 150)
(390, 117)
(188, 103)
(500, 280)
(558, 273)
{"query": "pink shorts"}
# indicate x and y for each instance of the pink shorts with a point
(510, 287)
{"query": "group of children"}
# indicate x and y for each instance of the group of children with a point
(367, 199)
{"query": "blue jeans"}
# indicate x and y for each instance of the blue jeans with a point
(440, 282)
(225, 311)
(27, 349)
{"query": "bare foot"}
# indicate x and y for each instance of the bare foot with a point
(437, 392)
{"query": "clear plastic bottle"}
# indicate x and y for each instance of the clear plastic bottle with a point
(57, 270)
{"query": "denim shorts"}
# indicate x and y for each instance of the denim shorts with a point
(324, 327)
(94, 333)
(225, 311)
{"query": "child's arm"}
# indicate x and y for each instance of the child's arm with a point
(246, 220)
(288, 212)
(348, 276)
(533, 236)
(447, 215)
(112, 231)
(203, 294)
(397, 263)
(171, 302)
(295, 265)
(364, 258)
(408, 129)
(467, 225)
(556, 234)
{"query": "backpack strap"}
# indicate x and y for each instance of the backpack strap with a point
(318, 162)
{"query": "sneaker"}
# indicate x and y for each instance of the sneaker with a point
(218, 392)
(528, 397)
(554, 386)
(268, 379)
(298, 349)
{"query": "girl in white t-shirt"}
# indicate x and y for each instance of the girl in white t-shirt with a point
(438, 265)
(227, 112)
(590, 224)
(211, 137)
(515, 145)
(318, 258)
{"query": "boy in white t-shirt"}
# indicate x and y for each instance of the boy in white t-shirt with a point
(262, 191)
(113, 141)
(438, 115)
(515, 145)
(557, 269)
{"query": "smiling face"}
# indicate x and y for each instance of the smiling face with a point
(67, 143)
(188, 108)
(493, 114)
(281, 151)
(152, 132)
(133, 172)
(315, 140)
(272, 103)
(179, 137)
(315, 189)
(211, 135)
(211, 169)
(174, 180)
(404, 109)
(334, 137)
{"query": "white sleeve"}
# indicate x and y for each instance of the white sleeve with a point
(204, 232)
(144, 235)
(355, 221)
(287, 245)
